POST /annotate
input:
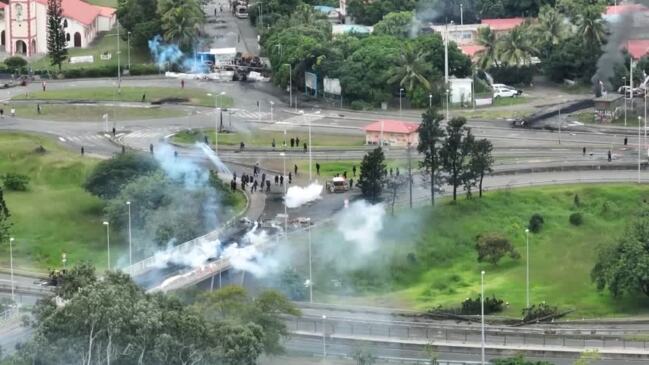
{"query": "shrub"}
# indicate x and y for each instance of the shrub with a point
(15, 63)
(540, 313)
(144, 69)
(576, 200)
(536, 223)
(512, 75)
(360, 105)
(576, 219)
(492, 247)
(491, 305)
(108, 177)
(16, 182)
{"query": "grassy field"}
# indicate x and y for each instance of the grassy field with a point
(109, 3)
(428, 258)
(265, 138)
(511, 101)
(106, 42)
(54, 192)
(130, 94)
(73, 113)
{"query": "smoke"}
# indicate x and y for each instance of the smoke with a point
(361, 224)
(620, 27)
(181, 169)
(198, 255)
(220, 166)
(164, 54)
(297, 196)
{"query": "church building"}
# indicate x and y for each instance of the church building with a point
(23, 25)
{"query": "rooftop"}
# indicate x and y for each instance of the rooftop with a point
(470, 49)
(637, 48)
(625, 8)
(503, 24)
(81, 11)
(392, 126)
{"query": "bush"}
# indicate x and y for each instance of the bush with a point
(576, 201)
(540, 313)
(16, 182)
(108, 177)
(576, 219)
(15, 63)
(536, 223)
(144, 69)
(512, 75)
(491, 305)
(360, 105)
(492, 247)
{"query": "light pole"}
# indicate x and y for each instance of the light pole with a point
(461, 14)
(310, 267)
(128, 43)
(290, 85)
(11, 265)
(482, 316)
(448, 101)
(324, 337)
(222, 93)
(130, 243)
(430, 101)
(527, 269)
(285, 183)
(108, 241)
(119, 71)
(271, 112)
(624, 79)
(644, 146)
(400, 96)
(310, 156)
(639, 146)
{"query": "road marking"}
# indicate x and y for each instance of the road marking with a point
(61, 139)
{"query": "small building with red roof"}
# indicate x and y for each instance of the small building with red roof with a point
(23, 25)
(502, 24)
(392, 132)
(637, 48)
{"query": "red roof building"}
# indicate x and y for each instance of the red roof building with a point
(625, 9)
(23, 29)
(392, 132)
(505, 24)
(637, 48)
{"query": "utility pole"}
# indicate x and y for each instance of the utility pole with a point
(446, 70)
(410, 173)
(119, 71)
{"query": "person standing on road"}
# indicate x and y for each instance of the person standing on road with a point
(281, 180)
(2, 113)
(273, 144)
(583, 151)
(354, 170)
(290, 178)
(292, 142)
(151, 148)
(83, 151)
(38, 108)
(317, 169)
(182, 84)
(268, 186)
(44, 84)
(609, 155)
(295, 169)
(304, 147)
(276, 179)
(351, 184)
(263, 179)
(297, 142)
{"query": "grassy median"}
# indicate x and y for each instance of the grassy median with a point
(261, 138)
(91, 113)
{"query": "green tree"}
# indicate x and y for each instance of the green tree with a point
(455, 152)
(241, 344)
(181, 21)
(590, 27)
(515, 48)
(137, 17)
(398, 24)
(588, 357)
(370, 13)
(372, 175)
(79, 276)
(108, 177)
(622, 267)
(481, 162)
(519, 360)
(550, 30)
(5, 224)
(15, 182)
(431, 136)
(411, 69)
(15, 63)
(488, 56)
(56, 43)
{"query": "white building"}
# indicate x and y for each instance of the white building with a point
(23, 25)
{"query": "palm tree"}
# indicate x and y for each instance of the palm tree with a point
(515, 48)
(181, 23)
(590, 26)
(551, 28)
(411, 69)
(489, 53)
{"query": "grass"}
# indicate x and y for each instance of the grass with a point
(55, 215)
(91, 113)
(108, 3)
(265, 138)
(129, 94)
(486, 114)
(511, 101)
(105, 42)
(428, 257)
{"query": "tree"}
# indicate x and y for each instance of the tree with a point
(372, 175)
(489, 53)
(369, 13)
(481, 162)
(79, 276)
(431, 136)
(588, 357)
(455, 152)
(590, 27)
(5, 224)
(15, 182)
(15, 63)
(181, 21)
(364, 356)
(241, 344)
(515, 48)
(398, 24)
(56, 43)
(492, 247)
(551, 29)
(107, 178)
(394, 185)
(622, 267)
(137, 17)
(518, 360)
(411, 69)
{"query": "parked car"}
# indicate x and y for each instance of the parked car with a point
(504, 91)
(637, 91)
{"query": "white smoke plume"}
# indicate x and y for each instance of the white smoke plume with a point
(297, 196)
(195, 257)
(220, 166)
(180, 169)
(361, 224)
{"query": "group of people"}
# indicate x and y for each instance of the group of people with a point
(294, 143)
(258, 180)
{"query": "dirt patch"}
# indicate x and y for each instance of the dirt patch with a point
(170, 100)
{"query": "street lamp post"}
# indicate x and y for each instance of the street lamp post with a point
(119, 71)
(285, 183)
(624, 79)
(128, 43)
(290, 85)
(448, 101)
(482, 317)
(310, 267)
(324, 337)
(639, 146)
(130, 241)
(527, 269)
(461, 14)
(11, 265)
(108, 241)
(271, 111)
(430, 101)
(400, 96)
